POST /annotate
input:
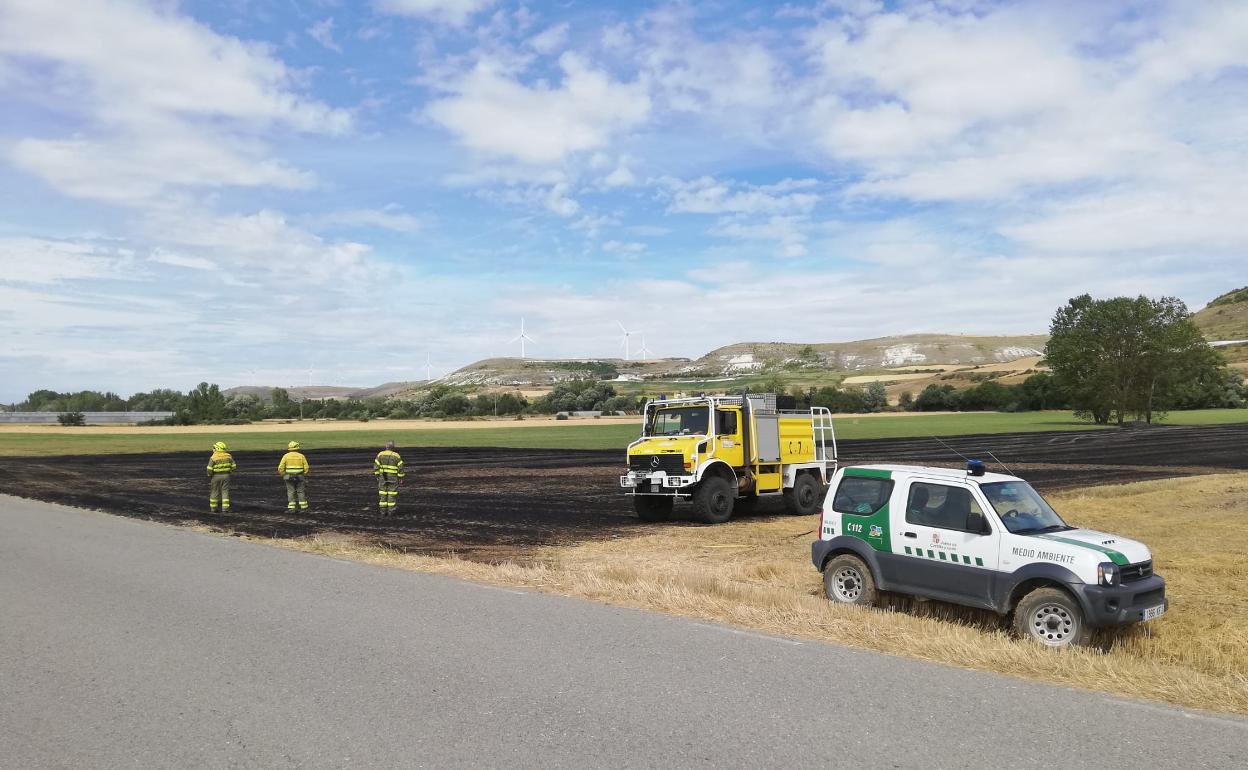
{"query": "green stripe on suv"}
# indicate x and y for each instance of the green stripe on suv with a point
(1114, 556)
(868, 473)
(943, 556)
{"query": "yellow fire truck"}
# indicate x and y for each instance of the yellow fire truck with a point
(728, 451)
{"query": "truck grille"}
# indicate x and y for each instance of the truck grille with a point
(670, 463)
(1135, 572)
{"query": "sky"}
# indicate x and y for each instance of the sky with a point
(290, 191)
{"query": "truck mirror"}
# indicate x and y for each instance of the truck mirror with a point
(976, 523)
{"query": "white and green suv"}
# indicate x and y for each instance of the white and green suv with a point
(984, 540)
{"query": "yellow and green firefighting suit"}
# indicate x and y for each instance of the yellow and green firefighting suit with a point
(388, 468)
(220, 466)
(294, 471)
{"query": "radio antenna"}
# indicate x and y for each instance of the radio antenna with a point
(951, 449)
(1003, 465)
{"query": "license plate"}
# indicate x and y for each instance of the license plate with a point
(1154, 612)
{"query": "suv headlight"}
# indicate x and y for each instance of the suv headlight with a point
(1107, 574)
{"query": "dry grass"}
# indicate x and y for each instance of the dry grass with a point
(757, 574)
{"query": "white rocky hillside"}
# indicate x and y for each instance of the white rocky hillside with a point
(758, 357)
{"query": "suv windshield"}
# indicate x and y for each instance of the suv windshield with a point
(1022, 510)
(681, 421)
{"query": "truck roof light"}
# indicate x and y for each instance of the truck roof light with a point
(975, 467)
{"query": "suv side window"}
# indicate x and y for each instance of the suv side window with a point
(938, 505)
(861, 496)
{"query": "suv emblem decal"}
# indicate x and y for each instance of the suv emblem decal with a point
(654, 461)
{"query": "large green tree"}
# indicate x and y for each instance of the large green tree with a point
(1127, 356)
(206, 403)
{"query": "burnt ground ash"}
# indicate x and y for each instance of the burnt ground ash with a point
(492, 504)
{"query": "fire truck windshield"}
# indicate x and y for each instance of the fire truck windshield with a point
(679, 421)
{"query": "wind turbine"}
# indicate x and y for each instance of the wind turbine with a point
(428, 368)
(624, 342)
(522, 338)
(645, 351)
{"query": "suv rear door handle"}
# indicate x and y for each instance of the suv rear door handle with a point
(909, 534)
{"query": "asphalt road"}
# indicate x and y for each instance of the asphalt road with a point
(130, 644)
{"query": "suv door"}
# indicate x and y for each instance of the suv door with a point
(938, 554)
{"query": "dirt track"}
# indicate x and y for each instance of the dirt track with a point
(497, 504)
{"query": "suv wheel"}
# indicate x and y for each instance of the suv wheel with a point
(1051, 617)
(847, 580)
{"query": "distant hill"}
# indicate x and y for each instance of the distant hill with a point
(1226, 318)
(522, 372)
(883, 352)
(320, 392)
(748, 358)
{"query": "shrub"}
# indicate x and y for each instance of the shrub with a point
(71, 418)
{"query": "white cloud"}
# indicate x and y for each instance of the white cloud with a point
(128, 169)
(592, 224)
(1203, 217)
(903, 82)
(134, 62)
(778, 213)
(323, 33)
(558, 202)
(619, 247)
(617, 37)
(738, 80)
(390, 217)
(265, 243)
(175, 259)
(44, 261)
(53, 319)
(550, 40)
(786, 231)
(491, 112)
(164, 101)
(934, 103)
(621, 176)
(707, 195)
(454, 12)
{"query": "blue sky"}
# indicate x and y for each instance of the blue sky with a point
(244, 191)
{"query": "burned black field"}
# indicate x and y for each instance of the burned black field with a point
(494, 504)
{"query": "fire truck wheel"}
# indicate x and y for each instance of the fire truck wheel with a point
(847, 580)
(712, 502)
(803, 498)
(653, 508)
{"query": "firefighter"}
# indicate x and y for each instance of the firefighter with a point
(388, 468)
(220, 466)
(294, 471)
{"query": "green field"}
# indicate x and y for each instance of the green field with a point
(587, 436)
